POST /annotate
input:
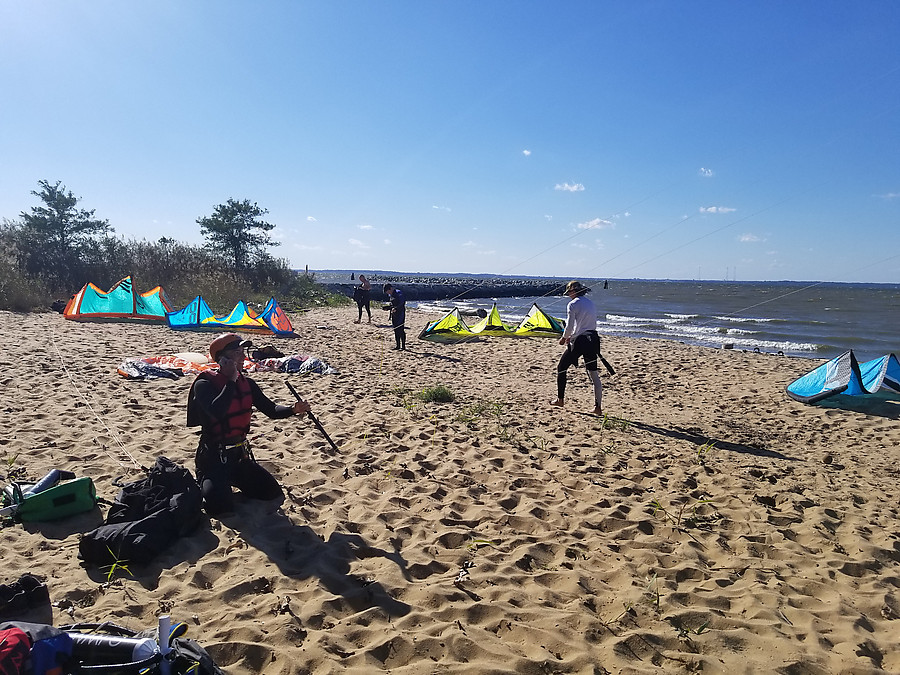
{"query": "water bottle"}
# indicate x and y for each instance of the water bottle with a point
(165, 626)
(48, 481)
(90, 649)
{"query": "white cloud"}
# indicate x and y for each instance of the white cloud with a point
(486, 252)
(311, 219)
(527, 153)
(387, 242)
(365, 227)
(470, 243)
(357, 243)
(548, 217)
(706, 173)
(890, 195)
(749, 237)
(595, 224)
(441, 208)
(716, 209)
(569, 187)
(579, 245)
(304, 247)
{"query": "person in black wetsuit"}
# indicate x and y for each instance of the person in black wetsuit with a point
(221, 403)
(362, 295)
(398, 315)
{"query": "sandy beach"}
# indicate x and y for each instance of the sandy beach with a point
(708, 524)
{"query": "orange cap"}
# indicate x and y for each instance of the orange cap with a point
(227, 341)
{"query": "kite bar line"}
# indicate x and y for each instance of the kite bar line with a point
(313, 418)
(112, 434)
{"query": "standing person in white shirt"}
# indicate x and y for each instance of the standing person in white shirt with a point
(581, 339)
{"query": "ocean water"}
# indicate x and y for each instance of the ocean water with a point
(813, 320)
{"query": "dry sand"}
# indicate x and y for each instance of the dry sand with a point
(722, 528)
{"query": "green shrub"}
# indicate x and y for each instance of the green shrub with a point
(437, 394)
(184, 271)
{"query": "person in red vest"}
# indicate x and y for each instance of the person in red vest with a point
(221, 403)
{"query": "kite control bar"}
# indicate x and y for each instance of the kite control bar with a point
(313, 418)
(606, 363)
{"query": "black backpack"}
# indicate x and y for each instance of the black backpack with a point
(147, 516)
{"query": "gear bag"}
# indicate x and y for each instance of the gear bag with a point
(14, 648)
(186, 657)
(50, 649)
(60, 501)
(148, 515)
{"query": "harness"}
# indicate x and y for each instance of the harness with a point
(587, 346)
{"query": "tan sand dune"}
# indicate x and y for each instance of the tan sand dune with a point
(709, 524)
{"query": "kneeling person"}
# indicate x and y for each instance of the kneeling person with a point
(222, 404)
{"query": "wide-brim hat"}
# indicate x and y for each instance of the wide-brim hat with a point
(226, 342)
(576, 287)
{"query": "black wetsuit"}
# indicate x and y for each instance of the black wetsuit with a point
(398, 318)
(363, 298)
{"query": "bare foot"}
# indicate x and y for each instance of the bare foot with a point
(558, 402)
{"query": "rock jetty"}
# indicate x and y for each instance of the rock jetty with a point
(454, 288)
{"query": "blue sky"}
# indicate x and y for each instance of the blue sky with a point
(757, 141)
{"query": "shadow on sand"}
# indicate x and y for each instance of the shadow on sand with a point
(297, 550)
(702, 439)
(878, 407)
(300, 553)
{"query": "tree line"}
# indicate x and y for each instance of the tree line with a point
(53, 249)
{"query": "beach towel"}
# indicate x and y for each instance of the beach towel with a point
(155, 367)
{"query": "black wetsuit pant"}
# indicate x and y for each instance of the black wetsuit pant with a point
(586, 346)
(398, 321)
(219, 469)
(364, 300)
